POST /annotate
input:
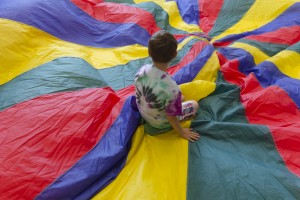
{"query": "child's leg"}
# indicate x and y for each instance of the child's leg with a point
(189, 109)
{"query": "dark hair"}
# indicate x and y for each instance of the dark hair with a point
(162, 47)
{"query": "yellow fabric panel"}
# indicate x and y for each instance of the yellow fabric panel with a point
(175, 18)
(156, 168)
(260, 13)
(42, 47)
(288, 62)
(204, 83)
(197, 89)
(20, 57)
(210, 69)
(186, 40)
(257, 54)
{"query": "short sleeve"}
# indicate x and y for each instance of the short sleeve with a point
(173, 106)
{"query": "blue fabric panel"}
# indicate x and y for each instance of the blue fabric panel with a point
(72, 25)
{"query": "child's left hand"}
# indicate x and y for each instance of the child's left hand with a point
(189, 134)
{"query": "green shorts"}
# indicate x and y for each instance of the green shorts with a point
(155, 131)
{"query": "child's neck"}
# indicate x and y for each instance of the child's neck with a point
(161, 66)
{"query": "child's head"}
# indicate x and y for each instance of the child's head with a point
(162, 47)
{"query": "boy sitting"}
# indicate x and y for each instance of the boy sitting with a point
(158, 97)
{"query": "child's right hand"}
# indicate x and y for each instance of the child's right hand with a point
(189, 134)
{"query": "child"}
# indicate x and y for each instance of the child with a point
(158, 97)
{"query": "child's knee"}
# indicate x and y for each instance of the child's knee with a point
(195, 105)
(189, 110)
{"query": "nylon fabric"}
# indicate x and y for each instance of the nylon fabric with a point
(219, 157)
(256, 13)
(175, 18)
(69, 123)
(50, 48)
(164, 155)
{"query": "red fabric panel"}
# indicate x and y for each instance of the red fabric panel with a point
(221, 43)
(189, 57)
(118, 13)
(209, 11)
(230, 70)
(285, 35)
(269, 106)
(42, 138)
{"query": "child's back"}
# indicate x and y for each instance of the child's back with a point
(157, 95)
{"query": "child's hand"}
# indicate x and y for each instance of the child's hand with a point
(189, 134)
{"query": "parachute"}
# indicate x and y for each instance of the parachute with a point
(69, 127)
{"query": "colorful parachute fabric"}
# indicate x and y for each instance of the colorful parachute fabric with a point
(69, 127)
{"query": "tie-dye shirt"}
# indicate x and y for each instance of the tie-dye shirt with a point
(157, 95)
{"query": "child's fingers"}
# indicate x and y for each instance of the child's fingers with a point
(191, 140)
(193, 137)
(195, 133)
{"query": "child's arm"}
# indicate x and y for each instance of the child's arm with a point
(186, 133)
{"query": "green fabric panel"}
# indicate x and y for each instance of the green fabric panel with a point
(295, 47)
(121, 76)
(237, 10)
(161, 17)
(234, 159)
(69, 74)
(270, 49)
(62, 74)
